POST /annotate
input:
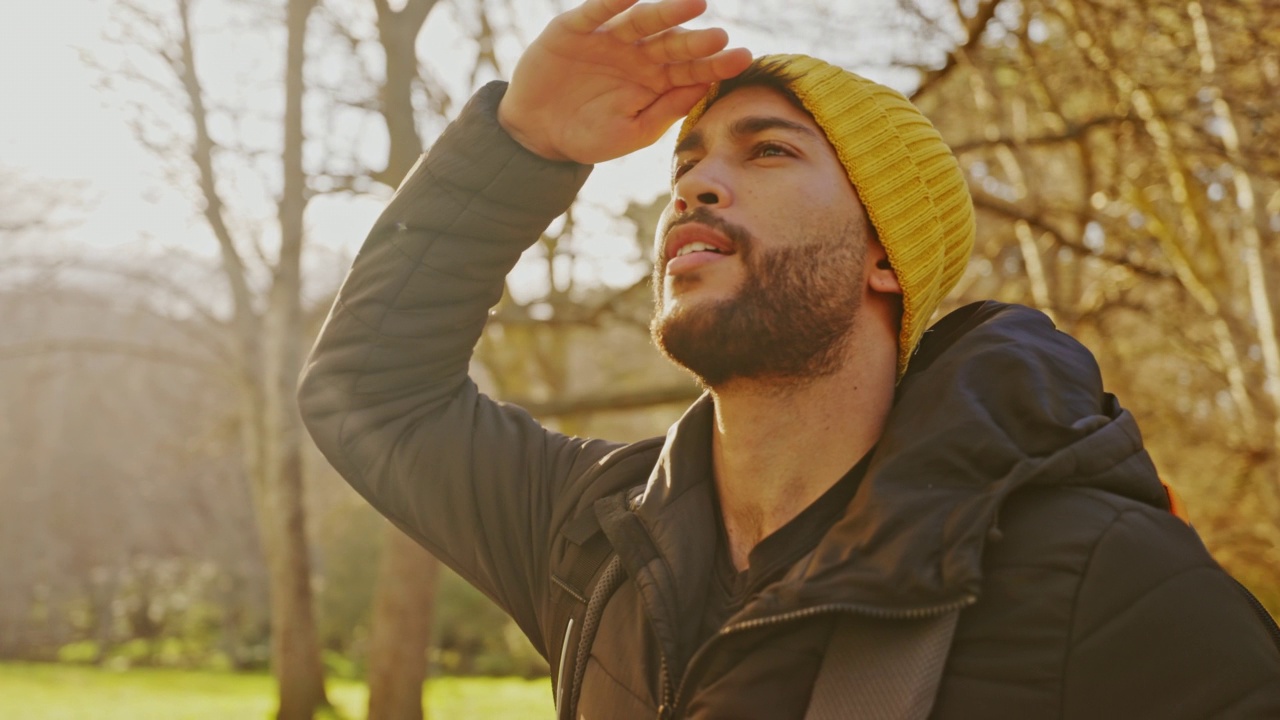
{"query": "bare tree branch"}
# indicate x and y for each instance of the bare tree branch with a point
(398, 32)
(97, 346)
(974, 28)
(1073, 132)
(415, 12)
(202, 156)
(1014, 212)
(615, 402)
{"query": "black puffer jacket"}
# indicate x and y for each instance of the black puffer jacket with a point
(1006, 481)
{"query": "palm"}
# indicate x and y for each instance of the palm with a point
(603, 81)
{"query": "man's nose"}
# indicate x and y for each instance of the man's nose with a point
(703, 185)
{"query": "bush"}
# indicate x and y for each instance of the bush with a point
(473, 636)
(84, 652)
(168, 612)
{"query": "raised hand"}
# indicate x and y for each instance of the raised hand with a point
(610, 76)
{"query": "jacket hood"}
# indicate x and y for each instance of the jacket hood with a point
(996, 399)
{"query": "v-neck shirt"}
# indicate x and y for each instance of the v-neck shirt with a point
(729, 589)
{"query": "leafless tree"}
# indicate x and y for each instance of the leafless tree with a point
(1119, 157)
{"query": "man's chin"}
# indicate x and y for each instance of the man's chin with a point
(686, 333)
(681, 308)
(698, 308)
(692, 298)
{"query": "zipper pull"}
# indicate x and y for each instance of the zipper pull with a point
(666, 709)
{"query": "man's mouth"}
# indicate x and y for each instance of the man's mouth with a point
(692, 238)
(694, 247)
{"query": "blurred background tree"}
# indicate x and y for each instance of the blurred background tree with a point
(160, 506)
(1122, 157)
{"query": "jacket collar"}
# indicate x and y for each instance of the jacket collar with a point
(666, 540)
(996, 399)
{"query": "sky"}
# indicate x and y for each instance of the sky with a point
(60, 130)
(56, 130)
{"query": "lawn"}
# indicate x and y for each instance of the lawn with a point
(68, 692)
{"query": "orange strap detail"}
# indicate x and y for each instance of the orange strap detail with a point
(1176, 506)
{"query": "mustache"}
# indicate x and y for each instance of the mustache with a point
(738, 235)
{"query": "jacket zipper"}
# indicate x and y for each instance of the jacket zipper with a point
(666, 710)
(672, 702)
(564, 651)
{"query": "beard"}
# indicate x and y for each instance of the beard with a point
(787, 323)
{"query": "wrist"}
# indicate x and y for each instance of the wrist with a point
(525, 139)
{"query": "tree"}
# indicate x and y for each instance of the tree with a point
(267, 325)
(1122, 192)
(110, 404)
(405, 590)
(264, 327)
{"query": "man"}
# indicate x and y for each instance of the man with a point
(844, 490)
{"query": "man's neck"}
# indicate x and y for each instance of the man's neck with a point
(778, 449)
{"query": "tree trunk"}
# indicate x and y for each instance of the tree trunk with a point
(402, 613)
(295, 646)
(404, 598)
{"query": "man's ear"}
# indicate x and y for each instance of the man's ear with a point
(880, 275)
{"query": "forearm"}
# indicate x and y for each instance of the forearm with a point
(385, 392)
(441, 249)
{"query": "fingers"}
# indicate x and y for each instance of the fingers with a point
(649, 19)
(590, 15)
(670, 107)
(720, 66)
(679, 45)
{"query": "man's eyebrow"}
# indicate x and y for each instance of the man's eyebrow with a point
(692, 141)
(746, 127)
(754, 125)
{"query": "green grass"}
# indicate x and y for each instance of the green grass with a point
(67, 692)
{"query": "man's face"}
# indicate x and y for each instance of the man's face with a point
(760, 257)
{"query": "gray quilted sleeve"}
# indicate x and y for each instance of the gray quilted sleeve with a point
(386, 393)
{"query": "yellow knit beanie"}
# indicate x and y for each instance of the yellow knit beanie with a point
(905, 175)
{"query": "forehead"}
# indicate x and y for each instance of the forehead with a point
(751, 101)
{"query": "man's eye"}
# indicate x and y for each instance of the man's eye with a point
(771, 150)
(681, 168)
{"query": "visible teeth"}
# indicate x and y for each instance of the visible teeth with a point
(696, 247)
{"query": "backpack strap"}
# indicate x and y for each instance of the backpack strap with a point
(587, 550)
(589, 573)
(1176, 507)
(882, 669)
(609, 582)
